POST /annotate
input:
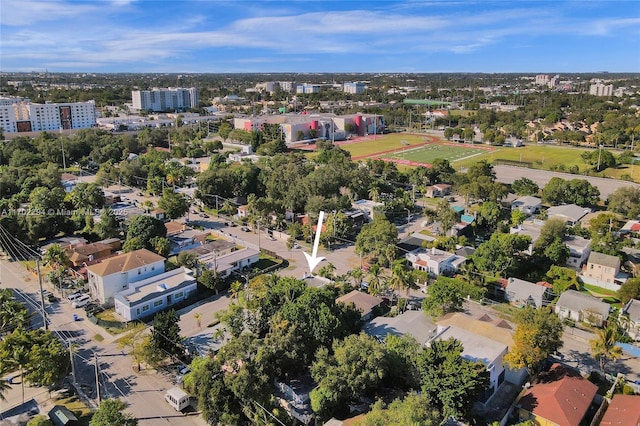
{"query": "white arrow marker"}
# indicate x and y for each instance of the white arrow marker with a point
(312, 259)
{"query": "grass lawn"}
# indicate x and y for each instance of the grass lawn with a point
(462, 113)
(540, 156)
(429, 153)
(81, 411)
(608, 296)
(384, 143)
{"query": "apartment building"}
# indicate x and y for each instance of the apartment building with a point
(355, 88)
(20, 115)
(600, 89)
(170, 99)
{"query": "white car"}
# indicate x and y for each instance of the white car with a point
(73, 296)
(81, 301)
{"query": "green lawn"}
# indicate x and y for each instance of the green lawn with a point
(540, 156)
(384, 143)
(429, 153)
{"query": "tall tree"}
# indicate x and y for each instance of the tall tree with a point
(376, 237)
(604, 347)
(356, 367)
(145, 228)
(452, 383)
(414, 409)
(538, 335)
(111, 413)
(166, 333)
(174, 204)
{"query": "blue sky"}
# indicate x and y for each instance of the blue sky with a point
(319, 36)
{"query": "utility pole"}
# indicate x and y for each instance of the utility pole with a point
(44, 313)
(95, 357)
(73, 369)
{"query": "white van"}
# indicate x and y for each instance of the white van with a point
(177, 398)
(81, 301)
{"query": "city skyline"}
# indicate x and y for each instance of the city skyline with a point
(210, 36)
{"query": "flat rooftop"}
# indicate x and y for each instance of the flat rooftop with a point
(160, 283)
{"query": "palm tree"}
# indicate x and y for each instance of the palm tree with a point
(4, 386)
(357, 275)
(235, 289)
(604, 346)
(375, 279)
(55, 257)
(198, 317)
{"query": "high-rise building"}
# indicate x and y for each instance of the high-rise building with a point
(307, 88)
(356, 88)
(170, 99)
(600, 89)
(542, 79)
(18, 115)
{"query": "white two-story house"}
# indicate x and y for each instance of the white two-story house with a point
(434, 261)
(146, 297)
(114, 274)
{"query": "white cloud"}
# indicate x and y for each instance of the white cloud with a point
(29, 12)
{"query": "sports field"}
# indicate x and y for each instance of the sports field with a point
(428, 153)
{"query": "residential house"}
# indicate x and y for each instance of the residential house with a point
(579, 248)
(434, 261)
(437, 190)
(158, 214)
(86, 253)
(579, 251)
(623, 410)
(633, 260)
(243, 211)
(493, 328)
(570, 213)
(114, 274)
(524, 293)
(602, 268)
(527, 204)
(414, 241)
(174, 228)
(632, 227)
(217, 247)
(64, 243)
(478, 348)
(368, 207)
(293, 396)
(581, 307)
(412, 323)
(560, 397)
(148, 296)
(631, 313)
(187, 238)
(226, 264)
(364, 302)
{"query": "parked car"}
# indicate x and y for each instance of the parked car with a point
(90, 306)
(81, 301)
(244, 229)
(73, 296)
(51, 298)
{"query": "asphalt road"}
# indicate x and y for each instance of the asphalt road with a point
(508, 174)
(143, 392)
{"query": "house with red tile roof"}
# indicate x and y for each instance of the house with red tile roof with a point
(561, 396)
(624, 410)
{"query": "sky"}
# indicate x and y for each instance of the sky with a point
(374, 36)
